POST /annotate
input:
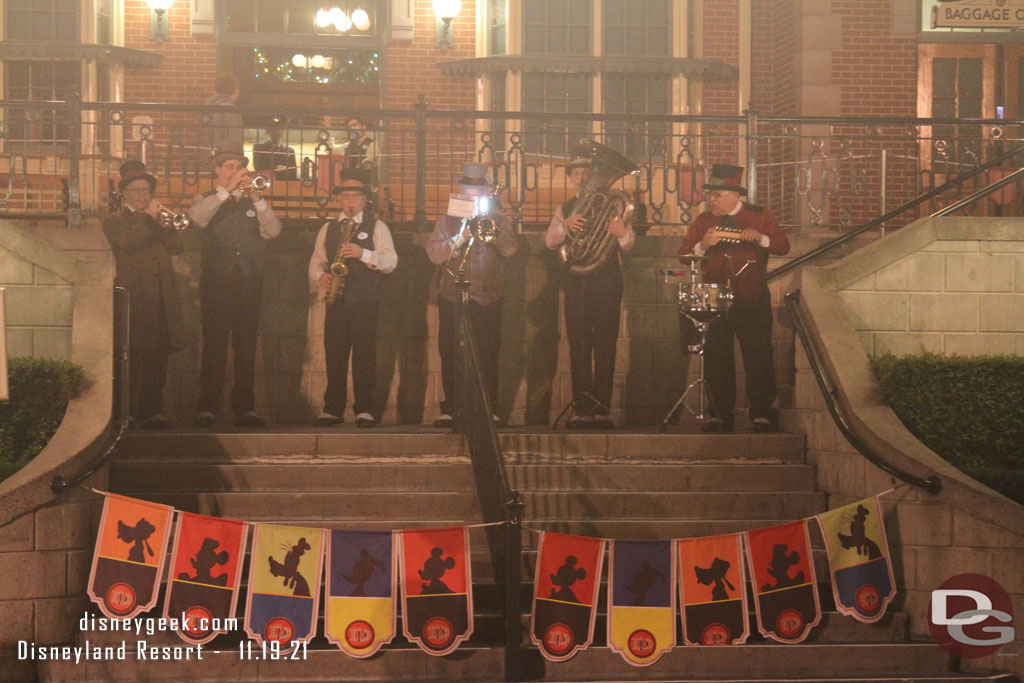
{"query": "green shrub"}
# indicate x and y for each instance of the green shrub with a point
(969, 410)
(39, 393)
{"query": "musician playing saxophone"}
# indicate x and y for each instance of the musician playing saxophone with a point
(591, 306)
(350, 323)
(735, 238)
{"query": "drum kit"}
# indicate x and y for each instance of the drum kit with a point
(701, 302)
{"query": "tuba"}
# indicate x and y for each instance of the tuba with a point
(587, 250)
(339, 270)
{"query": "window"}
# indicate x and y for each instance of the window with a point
(28, 80)
(41, 20)
(496, 27)
(103, 25)
(561, 93)
(557, 27)
(347, 18)
(637, 94)
(636, 28)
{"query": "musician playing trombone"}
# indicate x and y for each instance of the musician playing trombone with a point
(235, 222)
(591, 307)
(483, 268)
(143, 248)
(735, 238)
(350, 254)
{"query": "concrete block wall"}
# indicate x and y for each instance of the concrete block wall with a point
(38, 306)
(963, 297)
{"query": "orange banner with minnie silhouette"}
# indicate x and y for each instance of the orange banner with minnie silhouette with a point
(129, 557)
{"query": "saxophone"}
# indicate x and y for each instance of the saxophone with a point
(338, 268)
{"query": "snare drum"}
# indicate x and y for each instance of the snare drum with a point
(704, 300)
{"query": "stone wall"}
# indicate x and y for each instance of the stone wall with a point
(950, 285)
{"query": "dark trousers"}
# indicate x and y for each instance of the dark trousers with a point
(751, 323)
(148, 369)
(486, 324)
(350, 329)
(592, 325)
(230, 310)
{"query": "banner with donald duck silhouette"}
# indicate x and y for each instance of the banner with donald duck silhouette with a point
(641, 600)
(858, 559)
(437, 588)
(360, 611)
(128, 560)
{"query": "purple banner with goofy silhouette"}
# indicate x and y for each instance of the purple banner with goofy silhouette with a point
(206, 568)
(284, 584)
(129, 557)
(565, 594)
(785, 588)
(360, 610)
(858, 557)
(437, 597)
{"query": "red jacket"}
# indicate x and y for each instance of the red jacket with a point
(751, 284)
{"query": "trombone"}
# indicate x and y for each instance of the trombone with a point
(482, 228)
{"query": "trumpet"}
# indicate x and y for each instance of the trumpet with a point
(170, 220)
(256, 183)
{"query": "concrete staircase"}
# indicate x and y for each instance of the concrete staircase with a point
(625, 485)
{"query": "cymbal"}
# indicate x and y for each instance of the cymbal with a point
(691, 258)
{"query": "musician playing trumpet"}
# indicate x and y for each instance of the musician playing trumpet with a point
(591, 307)
(143, 248)
(735, 239)
(349, 255)
(234, 223)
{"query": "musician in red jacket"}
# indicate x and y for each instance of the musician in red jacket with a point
(742, 267)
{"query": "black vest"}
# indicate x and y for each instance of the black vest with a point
(232, 238)
(361, 281)
(611, 266)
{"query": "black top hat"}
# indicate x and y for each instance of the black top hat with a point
(726, 177)
(346, 183)
(229, 149)
(133, 169)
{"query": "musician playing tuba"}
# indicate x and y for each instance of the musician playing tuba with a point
(735, 238)
(483, 268)
(363, 245)
(593, 286)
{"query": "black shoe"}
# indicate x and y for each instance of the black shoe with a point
(763, 425)
(157, 421)
(249, 420)
(327, 420)
(444, 422)
(716, 426)
(366, 420)
(205, 419)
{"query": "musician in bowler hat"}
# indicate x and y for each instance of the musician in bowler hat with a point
(743, 267)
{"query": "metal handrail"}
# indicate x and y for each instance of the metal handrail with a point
(931, 484)
(985, 191)
(920, 199)
(122, 398)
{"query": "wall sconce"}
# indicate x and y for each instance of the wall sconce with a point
(158, 19)
(445, 11)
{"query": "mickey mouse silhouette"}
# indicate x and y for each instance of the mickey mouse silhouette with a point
(566, 576)
(779, 569)
(290, 569)
(205, 560)
(433, 569)
(138, 535)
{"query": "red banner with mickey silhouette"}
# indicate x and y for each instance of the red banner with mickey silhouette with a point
(785, 587)
(129, 557)
(285, 567)
(565, 594)
(206, 569)
(712, 590)
(437, 597)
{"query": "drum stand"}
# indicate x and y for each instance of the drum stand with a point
(572, 408)
(700, 384)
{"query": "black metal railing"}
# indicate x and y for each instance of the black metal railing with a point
(810, 171)
(499, 502)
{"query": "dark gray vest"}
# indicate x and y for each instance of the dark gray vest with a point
(361, 282)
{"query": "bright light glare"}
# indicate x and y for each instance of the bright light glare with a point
(323, 18)
(447, 9)
(361, 19)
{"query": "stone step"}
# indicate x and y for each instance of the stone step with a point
(750, 662)
(143, 475)
(559, 506)
(424, 445)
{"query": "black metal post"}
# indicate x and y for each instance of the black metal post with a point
(420, 215)
(513, 579)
